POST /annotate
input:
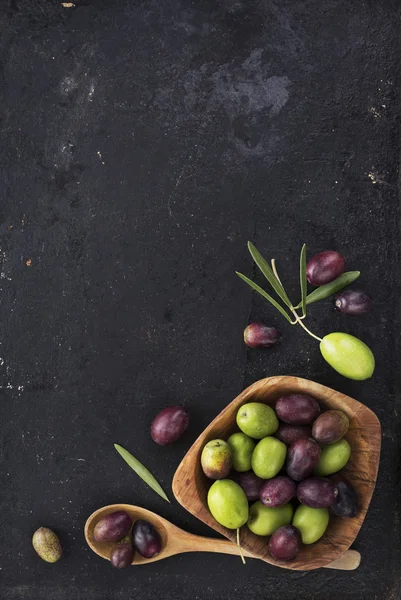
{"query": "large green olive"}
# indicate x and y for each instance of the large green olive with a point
(228, 504)
(242, 447)
(333, 458)
(348, 355)
(311, 522)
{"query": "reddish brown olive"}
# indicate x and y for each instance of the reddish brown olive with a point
(169, 425)
(325, 267)
(258, 335)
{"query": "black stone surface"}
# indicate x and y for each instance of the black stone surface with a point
(143, 143)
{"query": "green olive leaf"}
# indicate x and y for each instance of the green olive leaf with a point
(141, 470)
(265, 295)
(324, 291)
(302, 278)
(268, 273)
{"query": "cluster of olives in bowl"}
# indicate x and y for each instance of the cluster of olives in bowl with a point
(129, 537)
(281, 462)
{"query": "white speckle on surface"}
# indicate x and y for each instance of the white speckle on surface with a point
(91, 91)
(100, 157)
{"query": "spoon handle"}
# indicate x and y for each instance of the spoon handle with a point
(349, 561)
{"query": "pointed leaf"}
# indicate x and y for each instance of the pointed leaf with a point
(268, 273)
(265, 295)
(324, 291)
(141, 470)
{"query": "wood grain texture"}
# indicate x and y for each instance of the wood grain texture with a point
(178, 541)
(190, 485)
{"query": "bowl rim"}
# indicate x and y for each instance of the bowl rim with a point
(188, 476)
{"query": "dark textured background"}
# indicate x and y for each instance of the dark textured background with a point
(142, 145)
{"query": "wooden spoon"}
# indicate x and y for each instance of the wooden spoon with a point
(178, 541)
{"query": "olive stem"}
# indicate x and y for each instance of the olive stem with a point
(298, 319)
(240, 549)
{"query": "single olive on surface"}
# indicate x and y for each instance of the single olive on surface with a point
(316, 492)
(257, 420)
(277, 491)
(325, 267)
(291, 433)
(112, 527)
(264, 520)
(285, 543)
(47, 545)
(268, 457)
(348, 355)
(258, 335)
(122, 555)
(302, 459)
(333, 458)
(353, 302)
(146, 539)
(228, 503)
(242, 447)
(346, 502)
(297, 409)
(216, 459)
(330, 427)
(249, 482)
(169, 425)
(311, 522)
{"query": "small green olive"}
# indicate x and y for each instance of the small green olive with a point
(348, 355)
(47, 545)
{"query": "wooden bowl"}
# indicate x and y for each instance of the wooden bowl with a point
(190, 485)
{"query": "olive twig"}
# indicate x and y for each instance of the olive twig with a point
(298, 319)
(239, 547)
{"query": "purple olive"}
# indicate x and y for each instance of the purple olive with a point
(325, 267)
(285, 543)
(249, 482)
(353, 302)
(146, 539)
(297, 409)
(169, 425)
(346, 501)
(302, 458)
(316, 492)
(291, 433)
(122, 555)
(258, 335)
(112, 527)
(277, 491)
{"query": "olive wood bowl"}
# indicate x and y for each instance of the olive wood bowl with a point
(190, 485)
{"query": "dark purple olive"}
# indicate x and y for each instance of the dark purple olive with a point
(325, 267)
(169, 425)
(285, 543)
(291, 433)
(249, 482)
(302, 458)
(277, 491)
(353, 302)
(258, 335)
(316, 492)
(330, 427)
(146, 539)
(112, 527)
(346, 502)
(122, 555)
(297, 409)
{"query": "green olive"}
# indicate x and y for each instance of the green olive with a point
(348, 355)
(311, 522)
(333, 458)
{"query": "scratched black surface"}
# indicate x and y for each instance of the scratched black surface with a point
(143, 143)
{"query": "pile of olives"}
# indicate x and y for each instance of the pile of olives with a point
(279, 462)
(140, 536)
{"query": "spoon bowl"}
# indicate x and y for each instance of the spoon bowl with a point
(178, 541)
